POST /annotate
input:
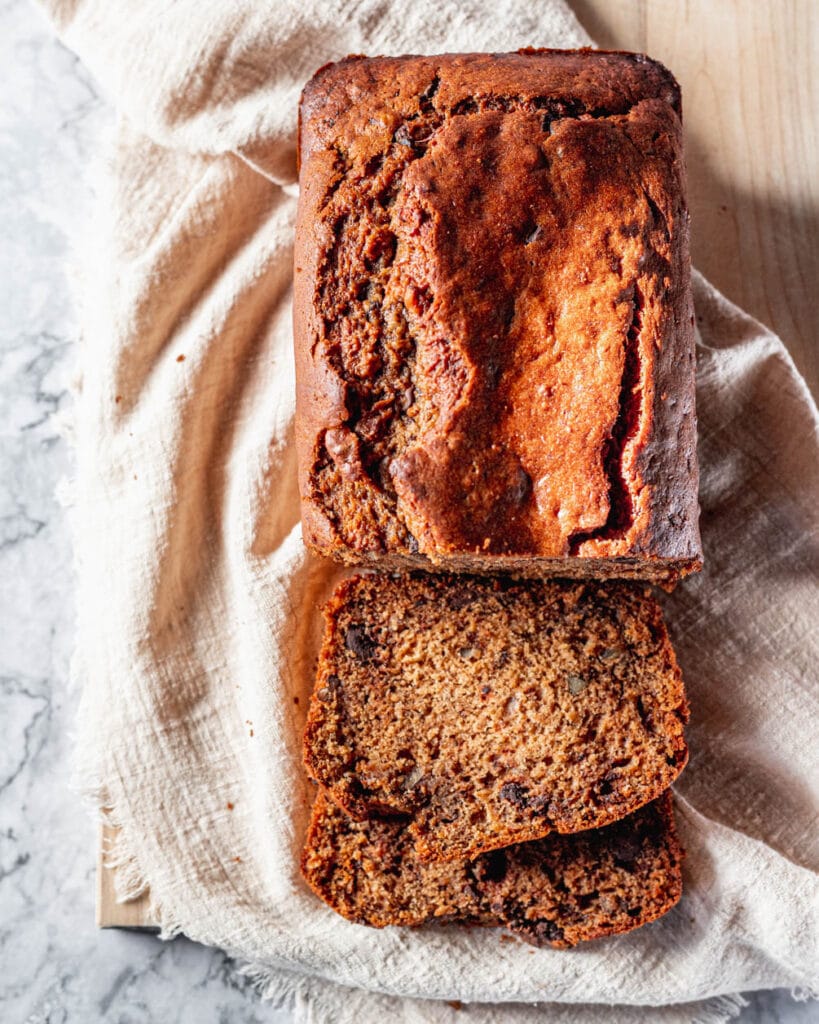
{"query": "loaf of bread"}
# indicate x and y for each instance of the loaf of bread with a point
(557, 891)
(489, 711)
(493, 321)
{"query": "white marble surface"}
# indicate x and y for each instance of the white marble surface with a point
(54, 965)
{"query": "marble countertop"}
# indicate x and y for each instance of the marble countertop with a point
(55, 966)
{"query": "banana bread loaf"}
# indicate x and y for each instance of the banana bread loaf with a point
(490, 711)
(557, 891)
(493, 321)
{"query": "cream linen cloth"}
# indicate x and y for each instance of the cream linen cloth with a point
(198, 604)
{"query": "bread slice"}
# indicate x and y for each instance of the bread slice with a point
(490, 712)
(556, 891)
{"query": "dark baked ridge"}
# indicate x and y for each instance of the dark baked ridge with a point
(492, 312)
(491, 712)
(557, 891)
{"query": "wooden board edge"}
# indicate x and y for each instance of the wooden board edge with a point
(110, 913)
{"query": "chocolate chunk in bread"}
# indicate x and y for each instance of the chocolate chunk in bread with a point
(493, 321)
(489, 712)
(556, 891)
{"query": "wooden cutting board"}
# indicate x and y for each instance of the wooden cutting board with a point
(750, 99)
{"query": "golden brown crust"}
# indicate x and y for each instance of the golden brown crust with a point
(557, 891)
(489, 712)
(494, 335)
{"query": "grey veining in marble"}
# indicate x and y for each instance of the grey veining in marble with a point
(54, 965)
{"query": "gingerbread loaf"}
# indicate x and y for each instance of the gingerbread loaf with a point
(488, 712)
(557, 891)
(493, 321)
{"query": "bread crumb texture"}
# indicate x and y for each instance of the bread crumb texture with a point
(557, 891)
(485, 712)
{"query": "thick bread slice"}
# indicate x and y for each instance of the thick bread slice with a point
(557, 891)
(490, 712)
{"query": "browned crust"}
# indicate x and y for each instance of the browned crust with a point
(356, 107)
(558, 891)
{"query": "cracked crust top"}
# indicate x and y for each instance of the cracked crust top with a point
(493, 322)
